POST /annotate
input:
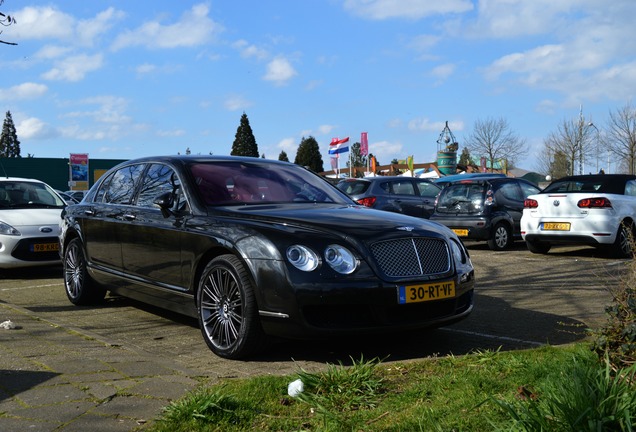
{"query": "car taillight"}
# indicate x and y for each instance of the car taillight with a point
(594, 203)
(367, 202)
(530, 203)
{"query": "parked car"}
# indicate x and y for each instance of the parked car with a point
(595, 210)
(454, 177)
(66, 197)
(77, 195)
(256, 247)
(484, 208)
(29, 223)
(400, 194)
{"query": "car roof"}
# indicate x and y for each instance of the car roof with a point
(22, 179)
(596, 177)
(611, 183)
(484, 178)
(202, 158)
(384, 178)
(465, 176)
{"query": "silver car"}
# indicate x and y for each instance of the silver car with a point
(30, 214)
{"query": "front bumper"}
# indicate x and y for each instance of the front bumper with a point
(366, 309)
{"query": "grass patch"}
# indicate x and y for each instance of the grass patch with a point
(486, 390)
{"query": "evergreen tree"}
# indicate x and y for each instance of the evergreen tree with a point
(465, 159)
(283, 156)
(244, 141)
(308, 155)
(560, 166)
(357, 159)
(9, 144)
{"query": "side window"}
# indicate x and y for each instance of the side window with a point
(511, 191)
(402, 188)
(630, 188)
(528, 190)
(427, 189)
(121, 186)
(158, 179)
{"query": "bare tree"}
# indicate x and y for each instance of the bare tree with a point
(493, 139)
(574, 140)
(620, 137)
(552, 162)
(6, 21)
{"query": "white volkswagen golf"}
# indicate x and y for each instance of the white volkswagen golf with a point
(30, 214)
(595, 210)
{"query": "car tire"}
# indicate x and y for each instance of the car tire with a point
(538, 247)
(80, 288)
(227, 309)
(501, 237)
(623, 246)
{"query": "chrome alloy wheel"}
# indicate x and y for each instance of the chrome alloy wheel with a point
(74, 270)
(221, 308)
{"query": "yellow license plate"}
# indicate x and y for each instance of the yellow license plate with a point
(45, 247)
(556, 226)
(426, 292)
(460, 232)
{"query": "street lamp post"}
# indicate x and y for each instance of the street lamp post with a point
(580, 139)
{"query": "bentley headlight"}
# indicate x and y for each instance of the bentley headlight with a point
(340, 259)
(458, 253)
(302, 258)
(7, 229)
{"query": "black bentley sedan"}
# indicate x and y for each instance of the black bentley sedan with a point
(256, 247)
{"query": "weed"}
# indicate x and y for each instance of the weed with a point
(584, 398)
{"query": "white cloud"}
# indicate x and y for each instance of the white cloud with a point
(443, 71)
(407, 9)
(171, 133)
(385, 151)
(236, 103)
(145, 68)
(23, 91)
(250, 51)
(47, 22)
(582, 53)
(194, 28)
(279, 71)
(43, 23)
(325, 129)
(289, 145)
(74, 68)
(34, 128)
(110, 109)
(88, 30)
(424, 124)
(49, 52)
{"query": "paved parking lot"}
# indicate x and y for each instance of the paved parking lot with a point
(523, 300)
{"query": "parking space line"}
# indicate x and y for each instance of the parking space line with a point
(489, 336)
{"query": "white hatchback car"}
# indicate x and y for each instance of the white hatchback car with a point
(596, 210)
(30, 214)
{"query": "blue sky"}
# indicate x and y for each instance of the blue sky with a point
(124, 79)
